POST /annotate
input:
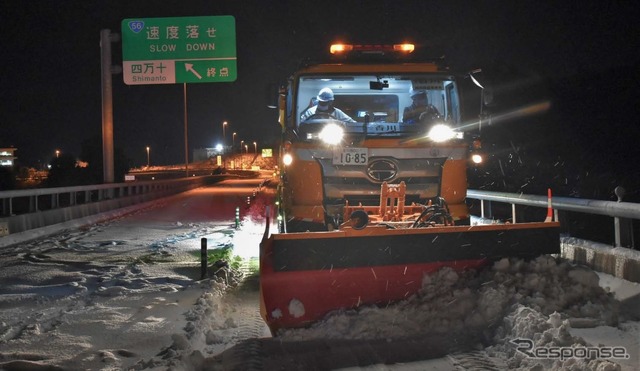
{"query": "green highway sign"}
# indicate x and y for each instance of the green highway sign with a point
(179, 50)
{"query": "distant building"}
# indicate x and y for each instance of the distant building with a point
(7, 156)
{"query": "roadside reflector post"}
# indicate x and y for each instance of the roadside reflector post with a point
(237, 217)
(486, 212)
(623, 227)
(203, 258)
(549, 207)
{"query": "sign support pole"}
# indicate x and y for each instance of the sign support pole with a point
(107, 107)
(186, 147)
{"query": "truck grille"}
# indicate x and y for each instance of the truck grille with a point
(362, 183)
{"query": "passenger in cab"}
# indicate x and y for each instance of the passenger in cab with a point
(420, 110)
(325, 105)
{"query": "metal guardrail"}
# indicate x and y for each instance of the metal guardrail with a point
(21, 204)
(27, 209)
(623, 213)
(15, 202)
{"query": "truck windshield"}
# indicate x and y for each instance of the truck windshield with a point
(385, 105)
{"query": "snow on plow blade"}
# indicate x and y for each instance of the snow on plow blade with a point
(304, 276)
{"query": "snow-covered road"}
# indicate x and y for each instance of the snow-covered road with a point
(127, 294)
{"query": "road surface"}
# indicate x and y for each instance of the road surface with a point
(115, 295)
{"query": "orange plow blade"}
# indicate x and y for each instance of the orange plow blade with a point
(305, 276)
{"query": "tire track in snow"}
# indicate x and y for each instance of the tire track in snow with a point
(477, 360)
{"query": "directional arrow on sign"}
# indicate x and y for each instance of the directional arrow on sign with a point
(189, 68)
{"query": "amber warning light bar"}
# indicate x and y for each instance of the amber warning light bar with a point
(345, 48)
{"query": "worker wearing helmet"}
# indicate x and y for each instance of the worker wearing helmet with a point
(420, 110)
(325, 105)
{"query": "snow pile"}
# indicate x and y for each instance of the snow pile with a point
(524, 324)
(505, 309)
(204, 322)
(475, 303)
(221, 317)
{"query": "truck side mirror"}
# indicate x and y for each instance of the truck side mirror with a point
(271, 95)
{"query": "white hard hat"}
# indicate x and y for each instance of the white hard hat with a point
(325, 95)
(415, 92)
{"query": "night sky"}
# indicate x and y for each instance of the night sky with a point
(583, 55)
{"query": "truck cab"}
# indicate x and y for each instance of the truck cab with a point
(331, 164)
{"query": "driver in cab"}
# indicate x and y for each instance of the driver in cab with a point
(325, 107)
(420, 110)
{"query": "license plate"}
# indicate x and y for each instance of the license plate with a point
(350, 156)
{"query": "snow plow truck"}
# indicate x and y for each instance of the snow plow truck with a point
(372, 196)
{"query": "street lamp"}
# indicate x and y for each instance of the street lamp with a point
(246, 148)
(255, 147)
(233, 141)
(57, 153)
(224, 133)
(241, 145)
(148, 156)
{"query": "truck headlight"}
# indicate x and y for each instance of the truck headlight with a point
(441, 133)
(331, 134)
(287, 159)
(476, 158)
